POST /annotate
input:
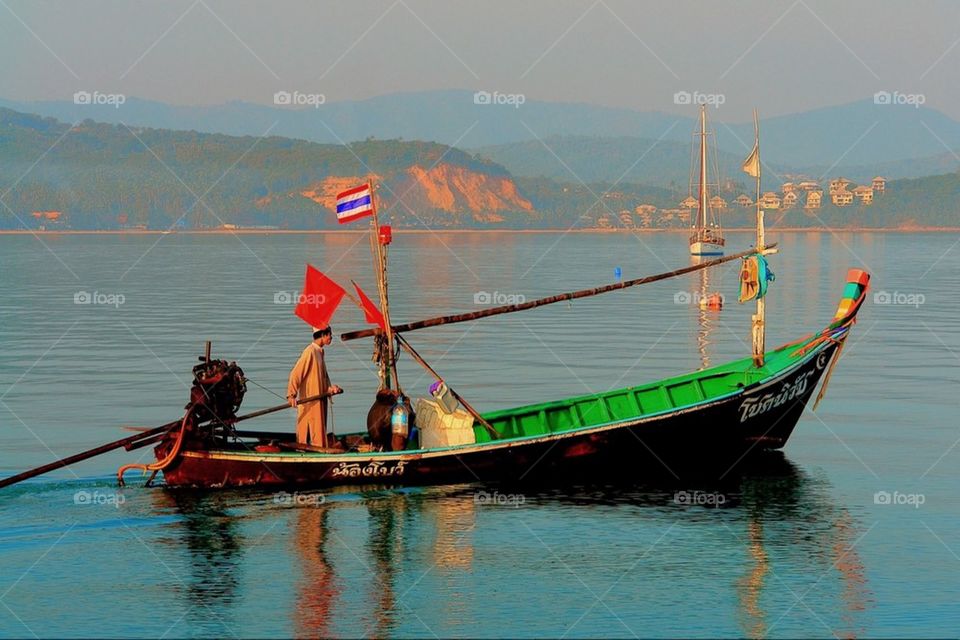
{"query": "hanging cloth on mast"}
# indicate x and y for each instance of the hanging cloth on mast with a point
(754, 276)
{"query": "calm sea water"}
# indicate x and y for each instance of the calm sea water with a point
(802, 544)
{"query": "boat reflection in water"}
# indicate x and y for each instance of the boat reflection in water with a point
(215, 549)
(706, 316)
(832, 548)
(384, 562)
(317, 587)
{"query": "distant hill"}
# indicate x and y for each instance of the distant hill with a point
(666, 163)
(103, 176)
(913, 168)
(449, 117)
(857, 134)
(663, 163)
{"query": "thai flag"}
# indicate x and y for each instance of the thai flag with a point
(354, 203)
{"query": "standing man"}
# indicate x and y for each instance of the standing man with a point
(309, 378)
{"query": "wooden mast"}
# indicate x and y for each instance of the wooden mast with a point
(380, 268)
(702, 191)
(759, 319)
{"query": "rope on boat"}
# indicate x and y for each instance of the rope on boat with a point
(826, 379)
(159, 465)
(246, 379)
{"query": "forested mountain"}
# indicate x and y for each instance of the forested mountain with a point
(108, 176)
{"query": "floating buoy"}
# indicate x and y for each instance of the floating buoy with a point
(617, 272)
(712, 301)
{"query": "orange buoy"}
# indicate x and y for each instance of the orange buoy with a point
(712, 301)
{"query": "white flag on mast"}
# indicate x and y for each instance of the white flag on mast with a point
(751, 166)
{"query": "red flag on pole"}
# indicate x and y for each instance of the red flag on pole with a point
(318, 299)
(370, 311)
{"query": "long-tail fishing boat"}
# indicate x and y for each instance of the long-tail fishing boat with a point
(707, 237)
(726, 411)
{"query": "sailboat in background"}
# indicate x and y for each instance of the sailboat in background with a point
(707, 237)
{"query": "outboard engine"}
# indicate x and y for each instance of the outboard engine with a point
(217, 392)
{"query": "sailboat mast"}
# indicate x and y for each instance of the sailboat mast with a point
(702, 195)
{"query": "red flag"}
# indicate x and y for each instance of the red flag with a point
(319, 298)
(370, 311)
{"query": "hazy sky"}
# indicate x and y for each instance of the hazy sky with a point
(786, 56)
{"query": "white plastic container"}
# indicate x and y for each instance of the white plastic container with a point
(441, 429)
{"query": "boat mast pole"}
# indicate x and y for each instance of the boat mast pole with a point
(381, 272)
(759, 320)
(702, 195)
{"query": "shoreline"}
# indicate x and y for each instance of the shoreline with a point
(149, 232)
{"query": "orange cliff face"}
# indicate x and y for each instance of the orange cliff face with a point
(451, 189)
(460, 191)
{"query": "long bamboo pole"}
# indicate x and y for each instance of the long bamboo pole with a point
(532, 304)
(133, 442)
(89, 453)
(382, 287)
(759, 320)
(466, 405)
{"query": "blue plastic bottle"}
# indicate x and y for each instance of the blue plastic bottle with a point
(400, 419)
